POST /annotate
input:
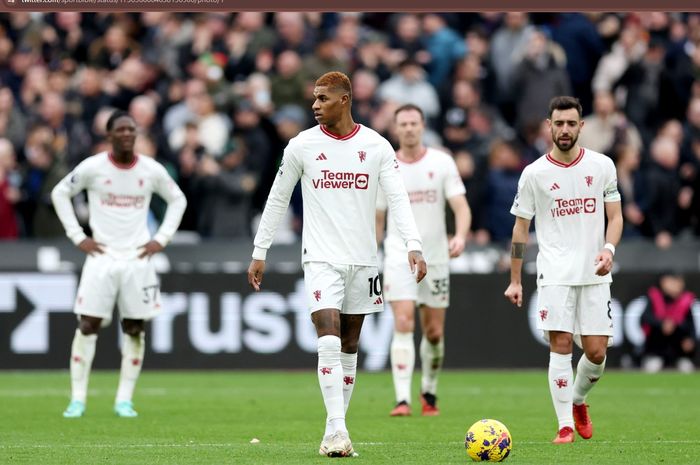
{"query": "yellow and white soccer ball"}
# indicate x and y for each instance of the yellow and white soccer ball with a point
(488, 441)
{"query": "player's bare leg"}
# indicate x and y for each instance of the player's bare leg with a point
(403, 355)
(561, 377)
(133, 349)
(589, 370)
(432, 354)
(82, 354)
(336, 442)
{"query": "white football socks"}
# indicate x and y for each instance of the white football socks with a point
(561, 376)
(81, 356)
(431, 357)
(349, 364)
(403, 359)
(133, 349)
(587, 375)
(330, 378)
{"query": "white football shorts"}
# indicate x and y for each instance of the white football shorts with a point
(400, 284)
(352, 289)
(130, 283)
(579, 310)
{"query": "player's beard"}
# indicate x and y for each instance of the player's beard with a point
(568, 146)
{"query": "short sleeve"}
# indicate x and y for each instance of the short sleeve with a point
(524, 202)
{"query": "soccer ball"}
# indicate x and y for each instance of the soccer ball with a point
(488, 441)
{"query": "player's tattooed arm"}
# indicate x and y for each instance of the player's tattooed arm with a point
(517, 250)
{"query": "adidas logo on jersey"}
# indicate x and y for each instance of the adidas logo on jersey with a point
(378, 301)
(554, 187)
(322, 156)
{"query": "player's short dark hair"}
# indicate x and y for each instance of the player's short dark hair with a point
(336, 80)
(409, 107)
(114, 117)
(565, 102)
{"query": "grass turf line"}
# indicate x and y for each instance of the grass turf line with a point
(210, 417)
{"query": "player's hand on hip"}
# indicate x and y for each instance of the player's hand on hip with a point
(91, 247)
(255, 273)
(603, 262)
(456, 246)
(418, 265)
(514, 293)
(149, 248)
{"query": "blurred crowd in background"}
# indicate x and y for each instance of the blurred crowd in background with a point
(216, 97)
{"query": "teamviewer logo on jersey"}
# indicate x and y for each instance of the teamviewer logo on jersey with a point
(341, 180)
(574, 206)
(361, 180)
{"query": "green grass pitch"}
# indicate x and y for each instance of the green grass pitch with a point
(210, 418)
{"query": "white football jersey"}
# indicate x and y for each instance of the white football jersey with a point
(567, 202)
(340, 177)
(118, 201)
(430, 181)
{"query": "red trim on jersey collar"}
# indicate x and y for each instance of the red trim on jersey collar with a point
(122, 166)
(408, 162)
(566, 165)
(337, 137)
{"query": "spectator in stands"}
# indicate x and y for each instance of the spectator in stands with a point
(508, 45)
(90, 95)
(184, 110)
(213, 126)
(225, 187)
(64, 40)
(578, 37)
(9, 191)
(405, 40)
(499, 191)
(327, 58)
(365, 102)
(42, 171)
(188, 158)
(662, 192)
(607, 127)
(373, 55)
(539, 77)
(628, 49)
(13, 121)
(293, 33)
(444, 45)
(288, 85)
(144, 110)
(111, 50)
(646, 86)
(409, 85)
(630, 185)
(71, 138)
(474, 178)
(668, 325)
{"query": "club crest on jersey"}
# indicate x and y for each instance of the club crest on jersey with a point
(430, 174)
(317, 295)
(362, 154)
(589, 180)
(140, 182)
